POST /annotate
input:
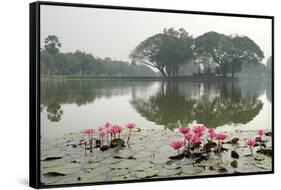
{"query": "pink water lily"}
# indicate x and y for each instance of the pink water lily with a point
(261, 133)
(111, 130)
(130, 126)
(188, 137)
(184, 130)
(211, 130)
(90, 133)
(212, 134)
(177, 144)
(195, 139)
(114, 129)
(102, 133)
(107, 125)
(221, 136)
(117, 129)
(192, 138)
(199, 129)
(251, 143)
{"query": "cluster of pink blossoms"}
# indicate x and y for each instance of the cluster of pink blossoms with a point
(195, 135)
(252, 142)
(199, 133)
(110, 131)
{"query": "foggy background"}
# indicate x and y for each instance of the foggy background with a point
(115, 33)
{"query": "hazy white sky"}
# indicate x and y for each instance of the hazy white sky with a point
(115, 33)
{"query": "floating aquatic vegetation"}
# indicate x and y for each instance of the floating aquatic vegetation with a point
(200, 151)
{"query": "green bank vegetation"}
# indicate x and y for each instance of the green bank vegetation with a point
(172, 53)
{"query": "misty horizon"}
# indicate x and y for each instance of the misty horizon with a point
(115, 33)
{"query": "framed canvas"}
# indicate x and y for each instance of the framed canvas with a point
(126, 94)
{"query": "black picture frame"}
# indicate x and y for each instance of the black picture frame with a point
(34, 93)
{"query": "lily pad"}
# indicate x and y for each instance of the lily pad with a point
(172, 166)
(267, 152)
(63, 169)
(120, 172)
(91, 177)
(150, 172)
(160, 160)
(191, 170)
(51, 178)
(124, 164)
(123, 177)
(104, 148)
(264, 166)
(207, 147)
(143, 166)
(117, 142)
(167, 172)
(222, 169)
(111, 161)
(177, 157)
(234, 164)
(234, 154)
(53, 174)
(258, 157)
(52, 155)
(233, 141)
(52, 163)
(52, 158)
(92, 165)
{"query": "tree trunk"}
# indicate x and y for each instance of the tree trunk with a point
(163, 72)
(232, 71)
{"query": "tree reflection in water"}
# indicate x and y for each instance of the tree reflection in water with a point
(214, 104)
(54, 112)
(55, 93)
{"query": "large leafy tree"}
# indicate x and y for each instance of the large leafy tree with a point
(165, 51)
(229, 53)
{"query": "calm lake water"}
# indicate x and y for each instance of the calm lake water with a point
(72, 105)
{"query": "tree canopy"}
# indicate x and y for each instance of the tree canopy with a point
(173, 53)
(54, 62)
(165, 51)
(229, 53)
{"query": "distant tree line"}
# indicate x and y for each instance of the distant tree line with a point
(53, 62)
(214, 53)
(172, 53)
